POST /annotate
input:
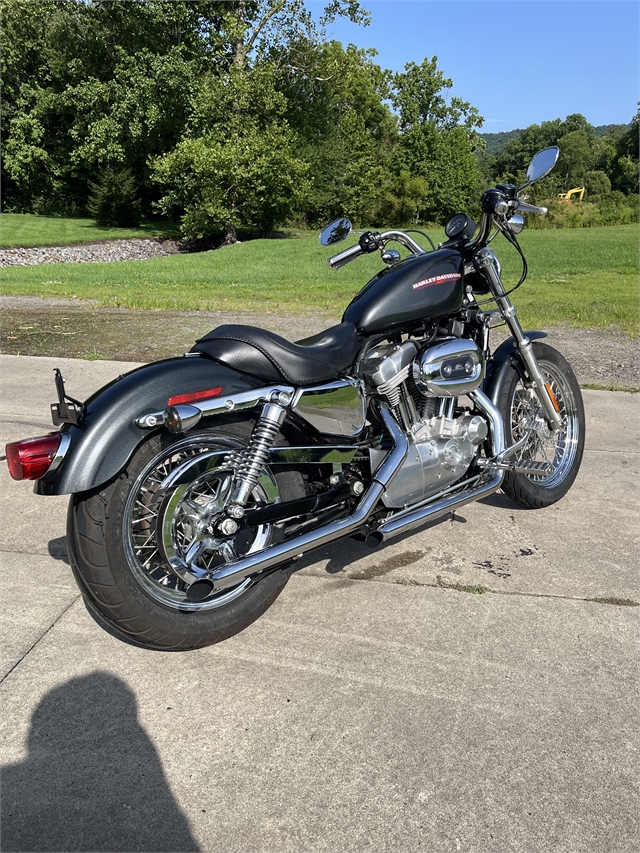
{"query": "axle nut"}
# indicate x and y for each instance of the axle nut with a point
(228, 527)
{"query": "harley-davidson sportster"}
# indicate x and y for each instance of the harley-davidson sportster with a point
(197, 481)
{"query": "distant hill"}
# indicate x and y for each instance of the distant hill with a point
(604, 129)
(495, 142)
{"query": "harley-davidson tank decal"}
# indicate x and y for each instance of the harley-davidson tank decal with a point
(436, 279)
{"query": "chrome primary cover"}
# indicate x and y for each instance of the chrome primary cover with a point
(450, 369)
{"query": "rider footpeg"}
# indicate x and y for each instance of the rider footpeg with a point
(543, 468)
(539, 468)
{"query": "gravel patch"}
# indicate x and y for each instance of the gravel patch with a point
(106, 251)
(68, 328)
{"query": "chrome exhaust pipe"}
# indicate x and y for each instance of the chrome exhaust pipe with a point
(271, 557)
(413, 519)
(407, 519)
(261, 560)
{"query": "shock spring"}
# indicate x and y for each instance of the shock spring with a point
(249, 463)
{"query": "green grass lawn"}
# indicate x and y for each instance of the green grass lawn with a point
(23, 229)
(582, 277)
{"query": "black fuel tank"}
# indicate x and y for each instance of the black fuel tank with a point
(419, 288)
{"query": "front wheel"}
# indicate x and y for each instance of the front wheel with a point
(117, 558)
(523, 414)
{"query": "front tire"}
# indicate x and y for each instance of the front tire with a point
(519, 405)
(112, 539)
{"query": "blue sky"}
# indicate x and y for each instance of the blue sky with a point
(519, 62)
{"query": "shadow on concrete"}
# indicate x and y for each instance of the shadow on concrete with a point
(92, 780)
(342, 553)
(502, 501)
(58, 549)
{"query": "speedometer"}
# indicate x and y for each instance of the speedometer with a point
(460, 225)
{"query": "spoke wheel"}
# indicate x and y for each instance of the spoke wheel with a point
(524, 419)
(112, 536)
(192, 526)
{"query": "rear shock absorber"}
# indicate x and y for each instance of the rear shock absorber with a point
(248, 464)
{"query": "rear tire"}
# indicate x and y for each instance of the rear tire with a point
(110, 533)
(563, 449)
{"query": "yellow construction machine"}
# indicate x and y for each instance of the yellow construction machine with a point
(575, 190)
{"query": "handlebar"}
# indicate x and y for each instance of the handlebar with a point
(344, 257)
(494, 202)
(353, 252)
(530, 208)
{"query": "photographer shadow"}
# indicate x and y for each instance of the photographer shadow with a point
(92, 780)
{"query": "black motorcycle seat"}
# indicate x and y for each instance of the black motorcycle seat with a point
(269, 357)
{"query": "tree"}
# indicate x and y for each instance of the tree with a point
(91, 85)
(596, 183)
(336, 102)
(625, 166)
(438, 141)
(242, 168)
(577, 157)
(113, 199)
(245, 153)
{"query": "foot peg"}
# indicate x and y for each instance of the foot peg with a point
(540, 468)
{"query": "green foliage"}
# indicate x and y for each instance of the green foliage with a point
(113, 199)
(240, 113)
(438, 141)
(596, 183)
(242, 169)
(611, 209)
(336, 103)
(252, 180)
(604, 160)
(495, 142)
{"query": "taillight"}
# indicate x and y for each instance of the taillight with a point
(31, 459)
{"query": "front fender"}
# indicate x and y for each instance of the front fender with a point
(500, 364)
(106, 437)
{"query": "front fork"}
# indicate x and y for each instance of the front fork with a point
(487, 263)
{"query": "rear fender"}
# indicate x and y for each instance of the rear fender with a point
(107, 435)
(505, 357)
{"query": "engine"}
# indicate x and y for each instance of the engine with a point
(422, 385)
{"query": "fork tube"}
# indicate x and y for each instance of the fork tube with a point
(486, 261)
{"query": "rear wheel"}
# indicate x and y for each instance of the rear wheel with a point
(523, 415)
(119, 558)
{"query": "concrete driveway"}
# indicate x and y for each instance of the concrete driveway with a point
(369, 710)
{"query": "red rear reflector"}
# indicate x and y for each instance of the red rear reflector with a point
(30, 459)
(195, 395)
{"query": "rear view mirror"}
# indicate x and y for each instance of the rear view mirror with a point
(541, 165)
(336, 232)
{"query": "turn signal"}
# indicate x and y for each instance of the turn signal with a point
(31, 459)
(181, 418)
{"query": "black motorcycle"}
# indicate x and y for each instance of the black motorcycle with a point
(197, 482)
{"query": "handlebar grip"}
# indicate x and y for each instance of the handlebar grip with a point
(531, 208)
(343, 258)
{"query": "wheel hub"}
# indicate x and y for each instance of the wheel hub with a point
(195, 535)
